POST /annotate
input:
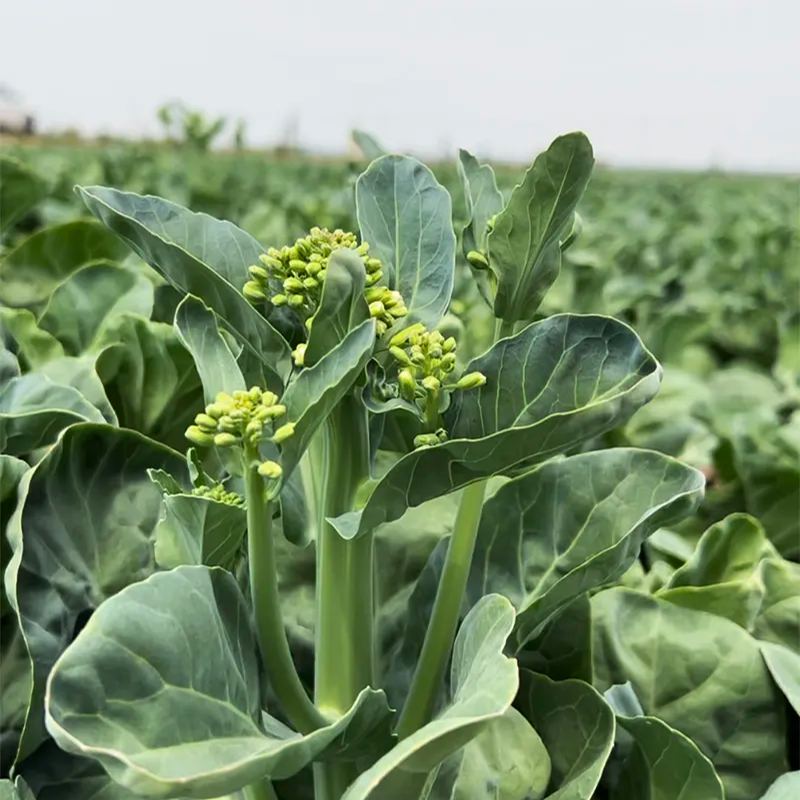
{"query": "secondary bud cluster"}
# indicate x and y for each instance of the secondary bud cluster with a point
(243, 418)
(293, 275)
(386, 306)
(218, 493)
(425, 362)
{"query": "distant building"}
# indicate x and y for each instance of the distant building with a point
(14, 116)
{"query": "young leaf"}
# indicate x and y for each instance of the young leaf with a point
(405, 215)
(685, 666)
(198, 530)
(483, 684)
(34, 346)
(82, 304)
(198, 255)
(21, 189)
(30, 271)
(196, 326)
(33, 410)
(506, 760)
(342, 305)
(162, 688)
(311, 396)
(664, 764)
(86, 515)
(554, 385)
(483, 200)
(577, 728)
(784, 666)
(573, 525)
(524, 245)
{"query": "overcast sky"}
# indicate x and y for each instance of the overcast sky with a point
(685, 83)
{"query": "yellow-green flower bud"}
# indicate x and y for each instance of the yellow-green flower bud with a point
(449, 344)
(270, 260)
(269, 398)
(400, 355)
(254, 428)
(279, 300)
(199, 437)
(205, 421)
(448, 362)
(297, 265)
(408, 385)
(215, 410)
(376, 309)
(225, 440)
(293, 284)
(258, 272)
(310, 283)
(270, 469)
(471, 380)
(253, 291)
(372, 264)
(405, 335)
(273, 412)
(478, 259)
(283, 433)
(299, 355)
(295, 300)
(431, 384)
(426, 440)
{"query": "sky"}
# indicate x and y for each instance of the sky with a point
(663, 83)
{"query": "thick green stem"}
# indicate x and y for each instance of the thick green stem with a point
(271, 632)
(259, 791)
(441, 633)
(345, 606)
(439, 637)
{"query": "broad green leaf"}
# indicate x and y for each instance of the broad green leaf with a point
(88, 299)
(33, 345)
(15, 688)
(196, 326)
(524, 245)
(53, 774)
(30, 271)
(16, 790)
(80, 372)
(198, 255)
(405, 215)
(198, 530)
(563, 649)
(483, 200)
(342, 306)
(506, 760)
(686, 667)
(369, 146)
(664, 765)
(551, 387)
(728, 550)
(21, 189)
(785, 788)
(150, 378)
(11, 472)
(573, 525)
(33, 410)
(784, 666)
(577, 728)
(317, 390)
(736, 573)
(82, 531)
(162, 687)
(483, 683)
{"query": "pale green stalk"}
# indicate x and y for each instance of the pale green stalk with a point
(345, 606)
(440, 635)
(270, 629)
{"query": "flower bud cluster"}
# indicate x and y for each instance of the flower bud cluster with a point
(218, 493)
(386, 306)
(244, 418)
(293, 275)
(425, 363)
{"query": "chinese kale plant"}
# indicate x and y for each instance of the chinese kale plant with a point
(262, 619)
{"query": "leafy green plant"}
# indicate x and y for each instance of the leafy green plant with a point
(388, 566)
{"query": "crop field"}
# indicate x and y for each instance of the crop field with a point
(361, 479)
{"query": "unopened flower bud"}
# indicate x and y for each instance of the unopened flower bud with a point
(270, 469)
(225, 440)
(283, 433)
(253, 291)
(407, 384)
(431, 384)
(400, 355)
(426, 440)
(478, 259)
(299, 355)
(471, 380)
(258, 272)
(293, 284)
(295, 300)
(199, 437)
